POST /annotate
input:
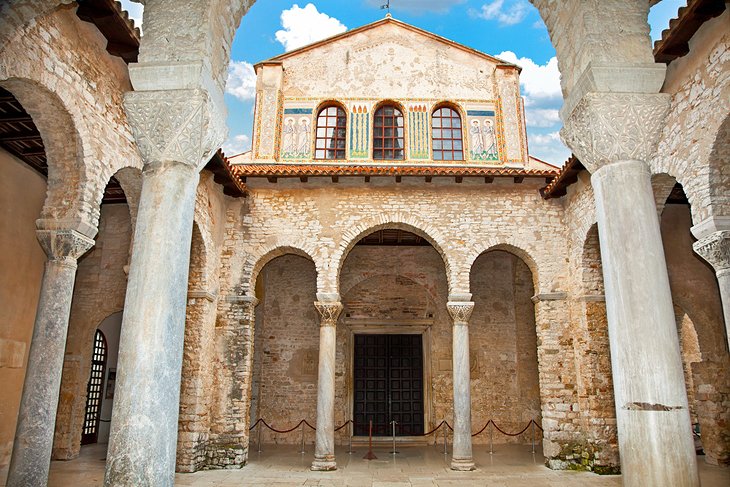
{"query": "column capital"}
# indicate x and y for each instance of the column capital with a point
(605, 127)
(182, 125)
(329, 312)
(715, 249)
(64, 245)
(460, 311)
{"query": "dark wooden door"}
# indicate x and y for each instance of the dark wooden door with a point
(388, 384)
(90, 433)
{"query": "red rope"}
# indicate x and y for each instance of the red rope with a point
(511, 434)
(481, 430)
(343, 425)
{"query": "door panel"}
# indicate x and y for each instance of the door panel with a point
(388, 380)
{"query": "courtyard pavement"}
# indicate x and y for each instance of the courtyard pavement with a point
(509, 465)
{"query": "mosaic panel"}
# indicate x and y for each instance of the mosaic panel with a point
(296, 133)
(482, 132)
(418, 134)
(359, 132)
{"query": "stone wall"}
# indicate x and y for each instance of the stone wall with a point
(22, 191)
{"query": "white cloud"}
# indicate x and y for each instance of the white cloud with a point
(418, 6)
(538, 81)
(135, 11)
(541, 117)
(548, 147)
(241, 81)
(306, 25)
(514, 13)
(236, 145)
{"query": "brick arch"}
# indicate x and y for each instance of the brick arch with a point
(719, 169)
(258, 259)
(371, 275)
(383, 221)
(69, 194)
(591, 270)
(513, 248)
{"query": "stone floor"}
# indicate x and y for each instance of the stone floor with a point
(510, 465)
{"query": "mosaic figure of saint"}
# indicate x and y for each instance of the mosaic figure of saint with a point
(477, 142)
(303, 136)
(290, 139)
(490, 142)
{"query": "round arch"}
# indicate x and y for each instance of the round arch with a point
(69, 194)
(408, 223)
(514, 249)
(254, 265)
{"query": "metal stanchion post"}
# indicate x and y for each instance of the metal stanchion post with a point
(446, 439)
(491, 444)
(303, 451)
(259, 437)
(370, 455)
(352, 426)
(394, 450)
(533, 437)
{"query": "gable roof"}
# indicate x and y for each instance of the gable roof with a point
(388, 20)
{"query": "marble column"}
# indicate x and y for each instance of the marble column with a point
(31, 456)
(655, 439)
(715, 249)
(324, 451)
(145, 414)
(460, 311)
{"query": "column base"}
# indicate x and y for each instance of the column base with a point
(324, 464)
(463, 464)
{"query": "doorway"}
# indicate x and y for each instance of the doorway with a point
(388, 384)
(90, 433)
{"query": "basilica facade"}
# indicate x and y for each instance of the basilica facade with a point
(388, 257)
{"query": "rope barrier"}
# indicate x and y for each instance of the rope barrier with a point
(384, 429)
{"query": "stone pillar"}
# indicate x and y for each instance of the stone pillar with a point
(31, 456)
(655, 439)
(176, 133)
(324, 451)
(613, 119)
(460, 311)
(715, 249)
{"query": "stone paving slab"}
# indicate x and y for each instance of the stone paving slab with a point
(284, 466)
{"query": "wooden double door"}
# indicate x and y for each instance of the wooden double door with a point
(388, 384)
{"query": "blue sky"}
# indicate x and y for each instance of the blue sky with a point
(511, 29)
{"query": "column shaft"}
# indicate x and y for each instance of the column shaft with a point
(723, 281)
(324, 451)
(655, 438)
(144, 418)
(461, 458)
(37, 415)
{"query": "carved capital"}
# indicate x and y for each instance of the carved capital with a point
(329, 312)
(460, 311)
(715, 249)
(64, 246)
(175, 125)
(608, 127)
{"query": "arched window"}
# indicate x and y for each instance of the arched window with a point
(331, 130)
(388, 133)
(90, 432)
(448, 144)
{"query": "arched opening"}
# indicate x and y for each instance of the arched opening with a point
(285, 349)
(393, 337)
(503, 347)
(700, 327)
(94, 390)
(99, 292)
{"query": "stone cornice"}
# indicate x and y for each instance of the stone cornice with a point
(715, 249)
(64, 246)
(609, 127)
(460, 311)
(329, 312)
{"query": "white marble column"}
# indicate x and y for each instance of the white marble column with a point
(655, 438)
(324, 451)
(177, 131)
(715, 249)
(460, 311)
(31, 456)
(144, 418)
